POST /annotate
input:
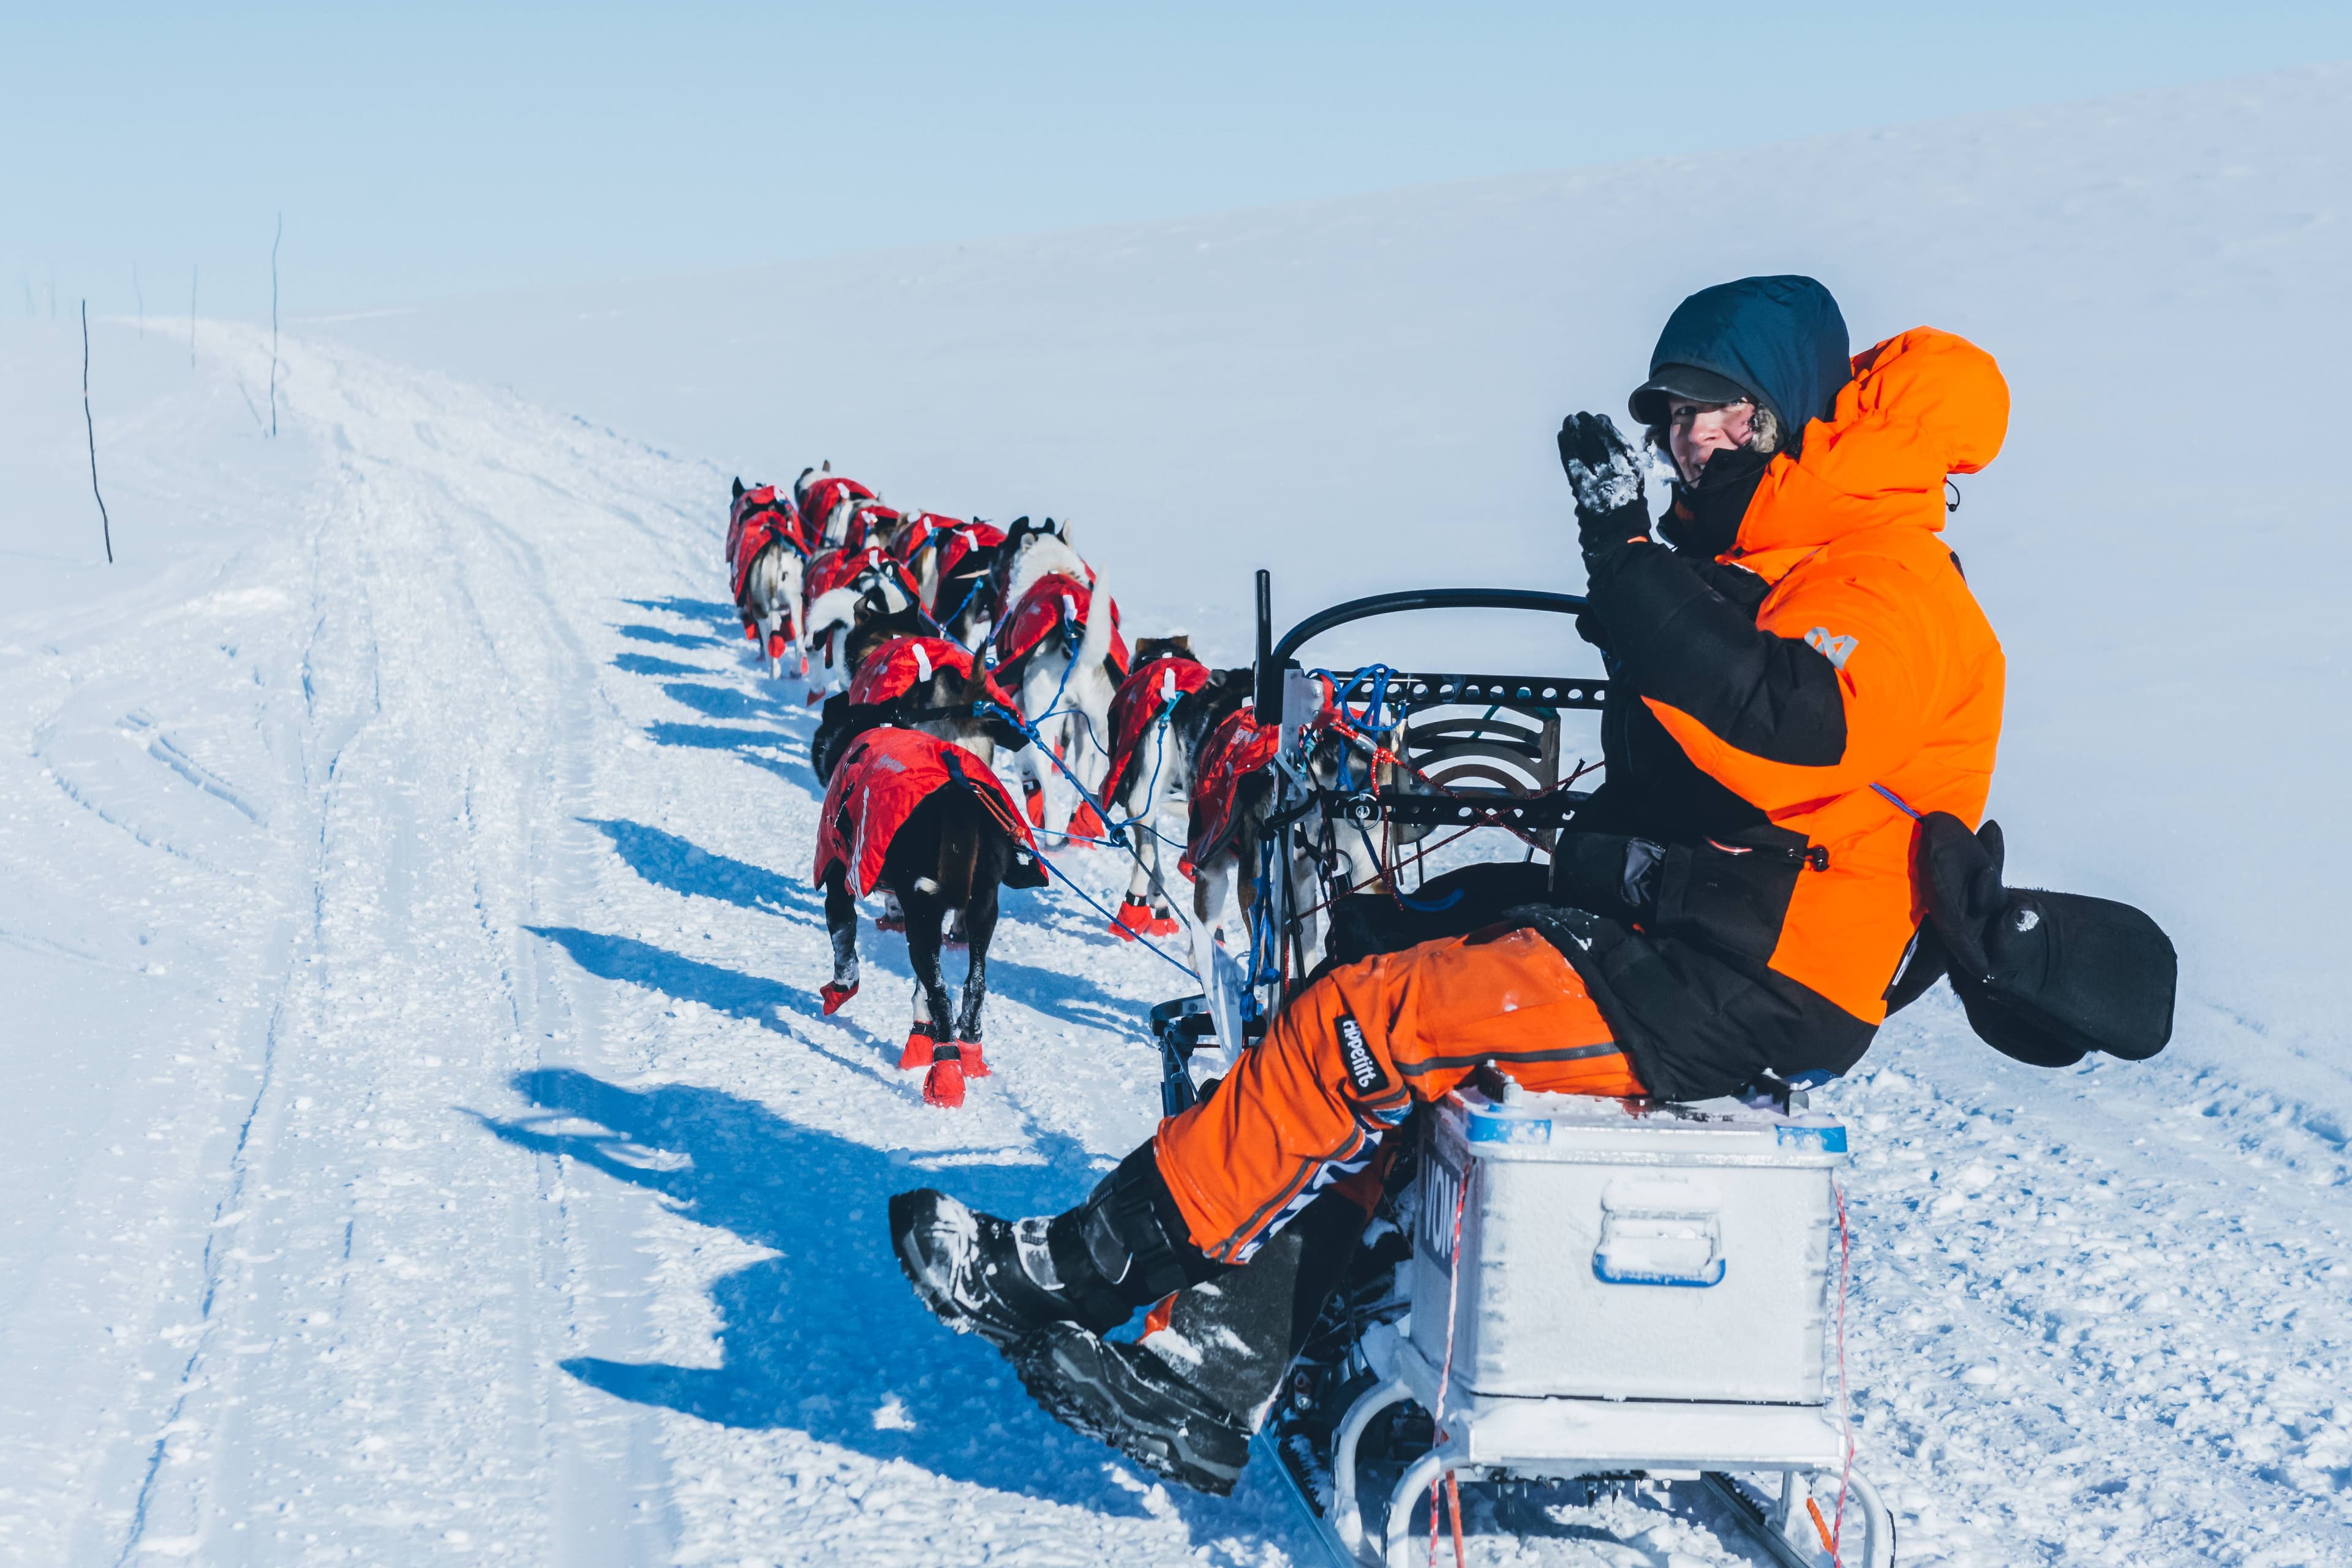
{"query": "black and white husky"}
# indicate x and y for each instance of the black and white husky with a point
(868, 609)
(1064, 685)
(1327, 852)
(771, 604)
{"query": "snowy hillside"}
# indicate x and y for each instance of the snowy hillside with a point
(422, 1139)
(2159, 277)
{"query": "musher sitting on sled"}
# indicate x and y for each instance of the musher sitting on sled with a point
(1802, 651)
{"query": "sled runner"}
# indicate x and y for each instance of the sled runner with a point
(1560, 1292)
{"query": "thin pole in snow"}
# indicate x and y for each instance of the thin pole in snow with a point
(273, 323)
(105, 522)
(192, 316)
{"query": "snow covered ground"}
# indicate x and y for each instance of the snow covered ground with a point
(421, 1139)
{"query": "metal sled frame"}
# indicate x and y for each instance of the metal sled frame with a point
(1500, 769)
(1572, 1440)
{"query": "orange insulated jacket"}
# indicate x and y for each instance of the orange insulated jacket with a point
(1829, 664)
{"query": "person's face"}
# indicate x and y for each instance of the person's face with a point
(1696, 431)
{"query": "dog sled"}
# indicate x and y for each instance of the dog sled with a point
(1571, 1300)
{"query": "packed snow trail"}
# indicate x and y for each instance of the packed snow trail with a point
(512, 1067)
(430, 1148)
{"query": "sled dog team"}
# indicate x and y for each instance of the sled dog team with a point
(1800, 729)
(960, 637)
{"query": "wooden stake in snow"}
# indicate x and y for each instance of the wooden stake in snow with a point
(273, 323)
(105, 522)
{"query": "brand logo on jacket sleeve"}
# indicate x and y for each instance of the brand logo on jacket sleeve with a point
(1364, 1069)
(1837, 650)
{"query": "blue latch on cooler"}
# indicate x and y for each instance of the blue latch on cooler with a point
(1486, 1128)
(1830, 1140)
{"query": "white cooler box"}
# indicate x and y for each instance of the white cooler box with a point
(1622, 1251)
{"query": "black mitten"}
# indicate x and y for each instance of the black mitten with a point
(2046, 978)
(1606, 472)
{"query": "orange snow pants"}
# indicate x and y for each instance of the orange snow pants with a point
(1349, 1056)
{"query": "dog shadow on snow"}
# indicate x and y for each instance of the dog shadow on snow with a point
(669, 861)
(718, 612)
(646, 664)
(726, 702)
(665, 637)
(825, 1337)
(757, 747)
(781, 749)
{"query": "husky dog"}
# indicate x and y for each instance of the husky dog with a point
(768, 583)
(829, 505)
(1061, 655)
(1164, 710)
(1233, 801)
(946, 838)
(868, 599)
(915, 682)
(955, 571)
(771, 593)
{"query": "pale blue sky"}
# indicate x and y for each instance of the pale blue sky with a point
(432, 149)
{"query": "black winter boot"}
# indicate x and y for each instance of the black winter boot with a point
(1183, 1401)
(1093, 1264)
(1127, 1397)
(990, 1277)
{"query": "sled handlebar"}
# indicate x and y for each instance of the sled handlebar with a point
(1274, 656)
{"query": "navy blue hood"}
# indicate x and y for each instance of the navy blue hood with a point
(1781, 340)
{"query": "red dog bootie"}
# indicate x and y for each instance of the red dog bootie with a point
(975, 1064)
(750, 632)
(1163, 923)
(1085, 823)
(920, 1048)
(943, 1085)
(1134, 921)
(775, 645)
(835, 995)
(1033, 801)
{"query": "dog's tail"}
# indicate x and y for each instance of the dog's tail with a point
(962, 824)
(1093, 645)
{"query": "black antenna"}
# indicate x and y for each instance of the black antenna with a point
(1269, 682)
(104, 522)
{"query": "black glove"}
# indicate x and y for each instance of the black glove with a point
(1609, 875)
(1962, 873)
(1606, 472)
